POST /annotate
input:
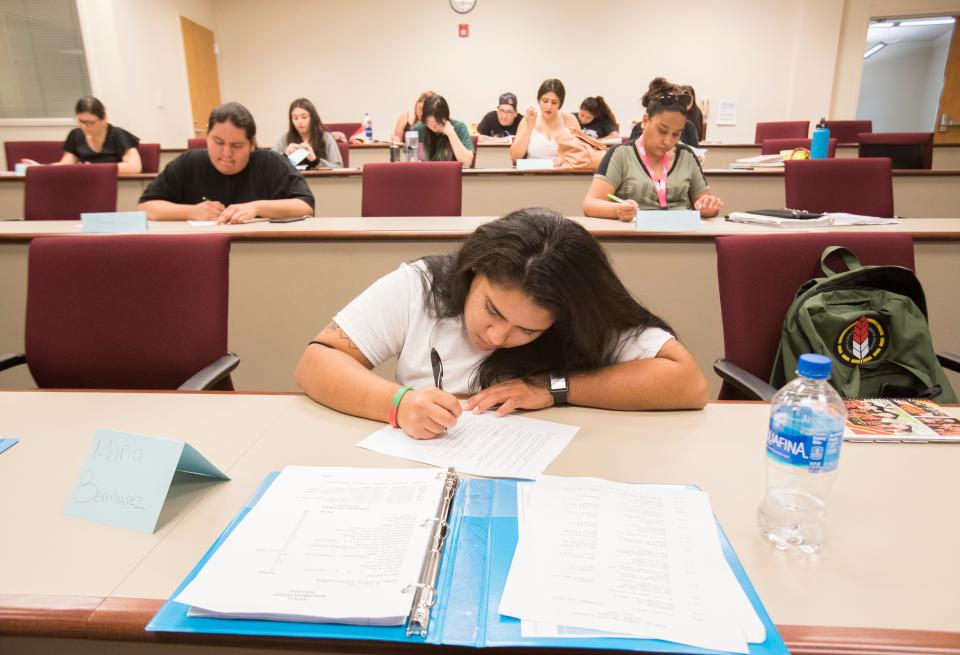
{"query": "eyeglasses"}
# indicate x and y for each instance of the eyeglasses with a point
(507, 111)
(673, 99)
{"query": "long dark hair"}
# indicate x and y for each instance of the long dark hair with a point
(90, 105)
(555, 85)
(597, 106)
(238, 115)
(563, 269)
(663, 95)
(433, 143)
(317, 142)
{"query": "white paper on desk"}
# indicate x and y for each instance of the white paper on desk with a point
(324, 544)
(201, 223)
(628, 559)
(482, 444)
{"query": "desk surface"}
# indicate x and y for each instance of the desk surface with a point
(889, 562)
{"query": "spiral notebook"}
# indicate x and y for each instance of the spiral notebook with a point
(906, 420)
(482, 535)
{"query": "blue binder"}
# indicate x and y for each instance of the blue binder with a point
(476, 559)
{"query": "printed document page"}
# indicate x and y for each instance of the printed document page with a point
(634, 560)
(482, 444)
(332, 545)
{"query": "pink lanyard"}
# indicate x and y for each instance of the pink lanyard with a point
(661, 184)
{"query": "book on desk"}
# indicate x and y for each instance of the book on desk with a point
(481, 538)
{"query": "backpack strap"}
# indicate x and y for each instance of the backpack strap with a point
(848, 257)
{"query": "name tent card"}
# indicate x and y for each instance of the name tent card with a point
(126, 477)
(125, 222)
(674, 220)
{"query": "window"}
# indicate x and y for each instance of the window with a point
(43, 68)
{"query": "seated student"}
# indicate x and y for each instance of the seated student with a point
(441, 137)
(408, 119)
(655, 171)
(597, 119)
(528, 313)
(230, 181)
(307, 132)
(538, 131)
(98, 142)
(689, 135)
(694, 114)
(502, 122)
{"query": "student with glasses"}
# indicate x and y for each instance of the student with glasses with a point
(96, 141)
(689, 136)
(502, 122)
(655, 170)
(441, 137)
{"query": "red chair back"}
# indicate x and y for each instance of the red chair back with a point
(781, 130)
(42, 152)
(344, 153)
(126, 311)
(412, 189)
(62, 193)
(349, 129)
(759, 276)
(848, 131)
(198, 143)
(905, 149)
(857, 186)
(150, 157)
(774, 146)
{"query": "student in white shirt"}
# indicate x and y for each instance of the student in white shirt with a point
(527, 314)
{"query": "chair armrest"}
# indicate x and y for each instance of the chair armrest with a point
(9, 360)
(748, 383)
(949, 360)
(209, 376)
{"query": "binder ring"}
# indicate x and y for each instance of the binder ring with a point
(419, 585)
(441, 523)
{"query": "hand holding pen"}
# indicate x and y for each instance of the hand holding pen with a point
(427, 412)
(626, 209)
(206, 210)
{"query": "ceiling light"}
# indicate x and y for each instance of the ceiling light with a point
(919, 22)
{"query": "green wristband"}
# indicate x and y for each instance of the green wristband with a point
(395, 404)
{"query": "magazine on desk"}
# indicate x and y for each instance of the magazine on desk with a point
(481, 537)
(900, 420)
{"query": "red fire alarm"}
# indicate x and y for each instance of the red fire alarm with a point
(464, 29)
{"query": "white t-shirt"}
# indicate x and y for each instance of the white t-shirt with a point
(391, 319)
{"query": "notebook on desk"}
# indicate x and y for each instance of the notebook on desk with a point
(482, 537)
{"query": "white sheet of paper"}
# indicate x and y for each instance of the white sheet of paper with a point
(324, 544)
(727, 112)
(201, 223)
(482, 444)
(628, 559)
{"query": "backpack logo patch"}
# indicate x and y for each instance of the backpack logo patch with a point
(862, 341)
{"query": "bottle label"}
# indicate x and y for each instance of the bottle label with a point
(818, 453)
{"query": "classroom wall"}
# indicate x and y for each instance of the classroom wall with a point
(894, 90)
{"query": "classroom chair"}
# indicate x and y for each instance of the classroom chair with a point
(348, 129)
(42, 152)
(62, 193)
(128, 312)
(197, 143)
(856, 186)
(774, 146)
(412, 189)
(848, 131)
(758, 278)
(781, 130)
(150, 157)
(344, 147)
(905, 149)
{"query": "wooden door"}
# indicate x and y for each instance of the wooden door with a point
(947, 127)
(199, 48)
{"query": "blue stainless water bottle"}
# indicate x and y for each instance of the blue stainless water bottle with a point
(820, 143)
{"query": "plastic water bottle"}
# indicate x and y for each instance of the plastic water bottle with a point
(411, 141)
(819, 144)
(803, 450)
(367, 127)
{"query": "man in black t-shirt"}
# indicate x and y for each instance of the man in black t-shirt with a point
(230, 181)
(503, 121)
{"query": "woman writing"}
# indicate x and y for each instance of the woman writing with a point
(441, 137)
(597, 119)
(408, 119)
(527, 314)
(655, 171)
(98, 142)
(538, 131)
(307, 132)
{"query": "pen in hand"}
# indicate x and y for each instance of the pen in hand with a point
(437, 365)
(615, 198)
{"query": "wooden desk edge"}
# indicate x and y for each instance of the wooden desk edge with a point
(124, 619)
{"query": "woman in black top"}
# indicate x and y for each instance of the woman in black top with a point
(694, 115)
(98, 142)
(597, 119)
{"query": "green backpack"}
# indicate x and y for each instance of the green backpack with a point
(872, 321)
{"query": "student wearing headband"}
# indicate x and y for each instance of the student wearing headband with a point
(654, 171)
(501, 122)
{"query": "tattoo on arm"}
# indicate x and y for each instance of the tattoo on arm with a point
(334, 329)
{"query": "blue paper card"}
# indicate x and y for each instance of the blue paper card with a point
(676, 220)
(7, 442)
(126, 477)
(125, 222)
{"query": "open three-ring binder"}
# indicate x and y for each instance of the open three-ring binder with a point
(468, 559)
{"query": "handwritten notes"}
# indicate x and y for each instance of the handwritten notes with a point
(126, 477)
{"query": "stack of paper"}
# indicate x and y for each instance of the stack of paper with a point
(328, 545)
(599, 558)
(759, 161)
(834, 218)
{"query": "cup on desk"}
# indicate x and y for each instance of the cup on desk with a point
(20, 169)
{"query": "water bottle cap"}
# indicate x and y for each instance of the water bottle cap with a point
(814, 366)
